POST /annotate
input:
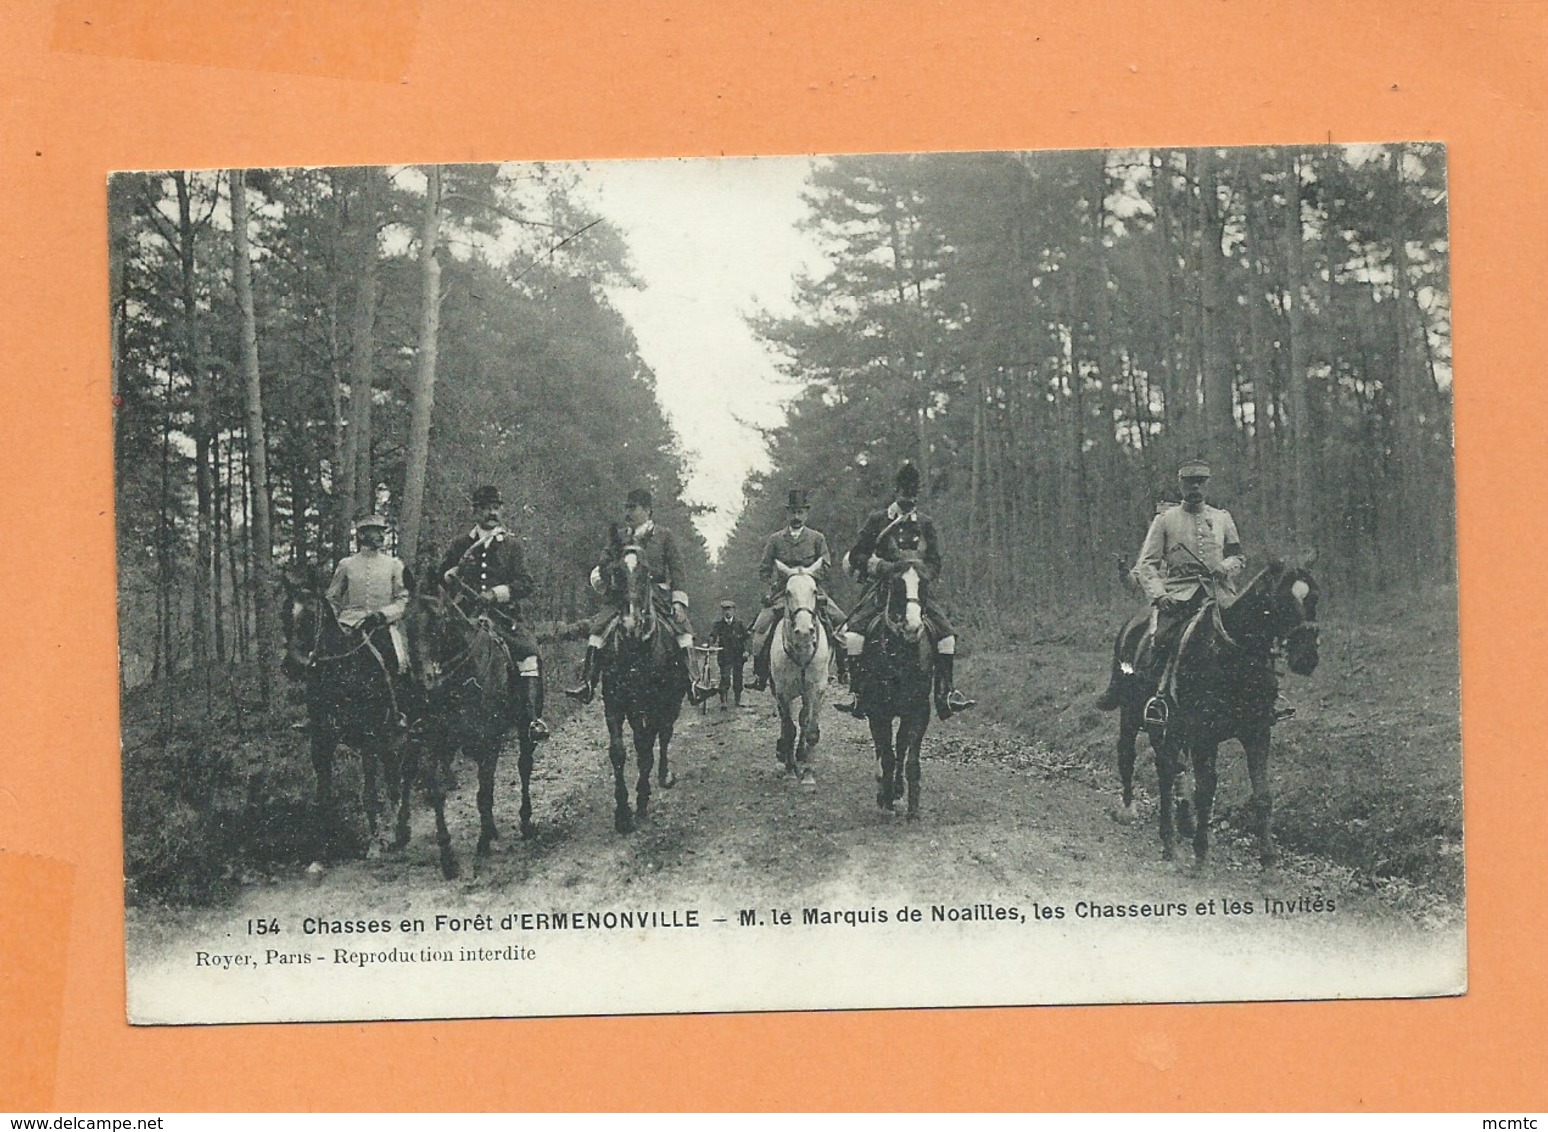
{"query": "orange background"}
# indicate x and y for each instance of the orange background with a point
(90, 86)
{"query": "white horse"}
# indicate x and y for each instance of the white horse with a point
(798, 667)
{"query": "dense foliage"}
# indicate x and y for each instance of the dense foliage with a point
(1047, 334)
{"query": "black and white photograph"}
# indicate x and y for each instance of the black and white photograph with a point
(787, 583)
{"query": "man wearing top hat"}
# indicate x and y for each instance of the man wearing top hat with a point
(796, 546)
(484, 564)
(369, 594)
(730, 635)
(875, 551)
(658, 547)
(1190, 550)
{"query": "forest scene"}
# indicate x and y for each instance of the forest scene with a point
(1046, 336)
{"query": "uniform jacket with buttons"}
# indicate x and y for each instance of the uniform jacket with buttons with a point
(659, 547)
(490, 560)
(1182, 546)
(369, 581)
(876, 538)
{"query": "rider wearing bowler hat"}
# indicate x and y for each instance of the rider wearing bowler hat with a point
(796, 546)
(658, 547)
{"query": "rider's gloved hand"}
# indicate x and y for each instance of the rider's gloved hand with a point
(373, 622)
(1166, 603)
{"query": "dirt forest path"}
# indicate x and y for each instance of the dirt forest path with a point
(1004, 824)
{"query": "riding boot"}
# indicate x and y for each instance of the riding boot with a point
(760, 680)
(841, 662)
(948, 701)
(589, 670)
(855, 705)
(1113, 696)
(697, 693)
(537, 730)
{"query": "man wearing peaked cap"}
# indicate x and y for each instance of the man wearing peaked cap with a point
(658, 546)
(796, 546)
(729, 634)
(485, 565)
(887, 536)
(1190, 551)
(368, 593)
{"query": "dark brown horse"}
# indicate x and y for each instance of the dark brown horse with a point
(899, 661)
(644, 681)
(349, 700)
(464, 667)
(1225, 688)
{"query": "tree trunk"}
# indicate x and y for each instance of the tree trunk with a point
(257, 448)
(1219, 432)
(201, 381)
(1301, 436)
(362, 498)
(424, 386)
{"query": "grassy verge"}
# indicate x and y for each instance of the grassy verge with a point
(221, 794)
(1367, 775)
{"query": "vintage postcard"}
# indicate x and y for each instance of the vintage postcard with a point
(787, 583)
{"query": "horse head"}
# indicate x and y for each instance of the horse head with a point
(303, 615)
(431, 638)
(1280, 606)
(801, 611)
(906, 588)
(630, 581)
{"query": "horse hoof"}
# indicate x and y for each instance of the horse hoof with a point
(668, 782)
(315, 872)
(1123, 815)
(913, 815)
(1167, 854)
(450, 869)
(528, 831)
(624, 822)
(808, 779)
(483, 849)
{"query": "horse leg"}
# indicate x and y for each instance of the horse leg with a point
(1257, 746)
(324, 740)
(524, 766)
(911, 745)
(784, 747)
(1167, 756)
(402, 783)
(487, 754)
(623, 817)
(644, 761)
(664, 776)
(809, 736)
(881, 738)
(1204, 762)
(437, 772)
(371, 769)
(1128, 732)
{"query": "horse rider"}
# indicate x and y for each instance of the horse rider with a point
(369, 594)
(485, 565)
(729, 634)
(1191, 552)
(868, 562)
(796, 546)
(658, 549)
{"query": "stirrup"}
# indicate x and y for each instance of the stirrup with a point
(1157, 711)
(582, 693)
(1283, 711)
(851, 708)
(537, 730)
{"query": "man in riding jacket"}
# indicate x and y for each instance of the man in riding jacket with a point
(873, 560)
(1191, 551)
(484, 565)
(796, 546)
(658, 549)
(729, 634)
(368, 593)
